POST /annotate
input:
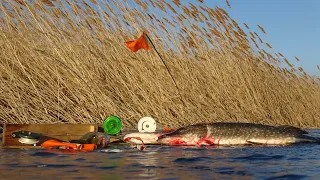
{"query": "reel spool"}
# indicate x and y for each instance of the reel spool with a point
(26, 137)
(147, 124)
(28, 141)
(112, 125)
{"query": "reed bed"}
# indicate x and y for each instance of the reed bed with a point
(66, 62)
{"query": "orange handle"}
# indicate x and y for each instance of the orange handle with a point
(88, 147)
(53, 143)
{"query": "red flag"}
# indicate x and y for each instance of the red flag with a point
(140, 43)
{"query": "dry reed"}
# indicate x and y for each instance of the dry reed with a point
(66, 62)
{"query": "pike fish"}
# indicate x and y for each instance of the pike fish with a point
(223, 133)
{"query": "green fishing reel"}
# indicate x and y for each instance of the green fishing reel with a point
(112, 125)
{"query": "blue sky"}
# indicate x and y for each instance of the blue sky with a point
(292, 26)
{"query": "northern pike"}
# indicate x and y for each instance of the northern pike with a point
(223, 133)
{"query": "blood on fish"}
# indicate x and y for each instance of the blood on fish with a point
(177, 142)
(210, 141)
(207, 140)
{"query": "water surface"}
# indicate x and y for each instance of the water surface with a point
(301, 161)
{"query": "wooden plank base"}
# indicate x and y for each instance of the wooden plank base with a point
(64, 132)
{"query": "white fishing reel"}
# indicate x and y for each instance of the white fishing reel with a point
(147, 124)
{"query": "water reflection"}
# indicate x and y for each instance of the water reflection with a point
(164, 162)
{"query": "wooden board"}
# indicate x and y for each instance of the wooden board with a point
(64, 132)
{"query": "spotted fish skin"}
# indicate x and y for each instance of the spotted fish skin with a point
(224, 133)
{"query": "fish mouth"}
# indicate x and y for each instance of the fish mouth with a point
(130, 138)
(142, 138)
(136, 139)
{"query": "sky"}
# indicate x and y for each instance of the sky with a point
(292, 26)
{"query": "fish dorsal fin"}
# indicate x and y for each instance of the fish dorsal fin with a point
(293, 129)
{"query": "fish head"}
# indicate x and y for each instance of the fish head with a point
(141, 138)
